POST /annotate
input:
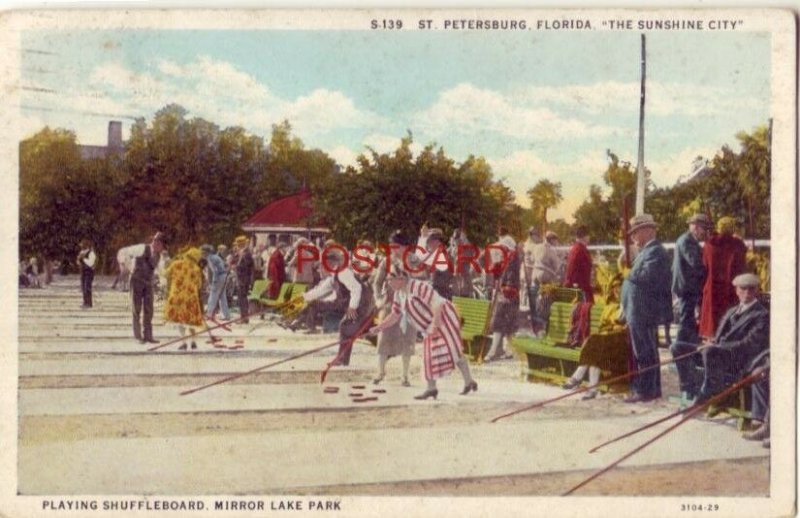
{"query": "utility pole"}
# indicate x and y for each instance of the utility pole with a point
(640, 180)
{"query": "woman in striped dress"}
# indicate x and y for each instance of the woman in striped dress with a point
(416, 303)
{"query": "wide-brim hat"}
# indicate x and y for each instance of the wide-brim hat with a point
(641, 221)
(550, 235)
(241, 240)
(746, 280)
(700, 219)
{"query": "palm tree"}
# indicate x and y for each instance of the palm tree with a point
(544, 195)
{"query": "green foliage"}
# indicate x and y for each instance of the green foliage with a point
(199, 183)
(63, 198)
(396, 190)
(737, 184)
(187, 177)
(758, 262)
(602, 215)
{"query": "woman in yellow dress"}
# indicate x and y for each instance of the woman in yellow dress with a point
(185, 279)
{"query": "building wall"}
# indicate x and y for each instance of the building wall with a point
(114, 145)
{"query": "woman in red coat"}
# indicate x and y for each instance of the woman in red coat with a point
(276, 271)
(579, 265)
(724, 259)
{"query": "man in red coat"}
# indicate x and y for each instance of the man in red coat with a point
(276, 271)
(724, 259)
(579, 265)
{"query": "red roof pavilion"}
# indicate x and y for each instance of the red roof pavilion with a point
(290, 214)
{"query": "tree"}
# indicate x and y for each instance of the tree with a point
(64, 199)
(397, 190)
(753, 177)
(599, 216)
(545, 195)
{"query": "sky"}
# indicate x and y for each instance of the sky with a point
(534, 104)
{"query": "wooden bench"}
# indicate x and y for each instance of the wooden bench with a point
(283, 296)
(474, 315)
(550, 358)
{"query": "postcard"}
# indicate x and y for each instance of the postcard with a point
(399, 262)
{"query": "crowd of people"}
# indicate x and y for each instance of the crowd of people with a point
(704, 289)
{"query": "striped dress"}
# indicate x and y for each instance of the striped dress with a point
(441, 346)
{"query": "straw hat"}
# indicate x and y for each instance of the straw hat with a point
(641, 221)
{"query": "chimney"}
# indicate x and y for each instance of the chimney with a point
(115, 135)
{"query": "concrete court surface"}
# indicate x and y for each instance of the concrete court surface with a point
(83, 366)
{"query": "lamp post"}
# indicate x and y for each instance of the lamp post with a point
(640, 172)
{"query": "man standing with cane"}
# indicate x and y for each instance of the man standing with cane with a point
(647, 303)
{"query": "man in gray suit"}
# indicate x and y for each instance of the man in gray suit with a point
(688, 276)
(647, 304)
(742, 335)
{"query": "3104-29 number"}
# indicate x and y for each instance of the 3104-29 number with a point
(699, 507)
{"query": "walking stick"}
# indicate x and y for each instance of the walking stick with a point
(361, 331)
(641, 429)
(209, 328)
(580, 390)
(259, 369)
(654, 423)
(689, 414)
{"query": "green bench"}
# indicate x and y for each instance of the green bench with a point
(259, 286)
(474, 315)
(550, 358)
(283, 296)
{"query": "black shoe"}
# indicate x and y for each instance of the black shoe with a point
(428, 393)
(378, 380)
(194, 345)
(570, 384)
(182, 347)
(472, 386)
(150, 341)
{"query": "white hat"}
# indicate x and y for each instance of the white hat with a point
(746, 280)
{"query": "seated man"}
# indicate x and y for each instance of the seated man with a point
(743, 333)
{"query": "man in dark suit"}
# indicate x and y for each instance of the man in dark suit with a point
(647, 304)
(742, 335)
(146, 257)
(689, 275)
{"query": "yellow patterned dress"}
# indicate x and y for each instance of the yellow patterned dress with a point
(183, 299)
